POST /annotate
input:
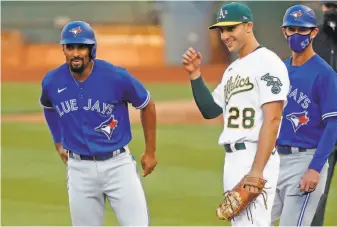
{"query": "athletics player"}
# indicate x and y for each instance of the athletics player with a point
(251, 97)
(85, 103)
(309, 127)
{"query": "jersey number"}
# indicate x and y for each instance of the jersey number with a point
(248, 115)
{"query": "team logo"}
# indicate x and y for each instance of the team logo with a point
(274, 82)
(296, 14)
(107, 127)
(222, 14)
(237, 85)
(76, 31)
(298, 119)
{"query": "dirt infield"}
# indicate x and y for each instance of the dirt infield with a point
(180, 112)
(174, 74)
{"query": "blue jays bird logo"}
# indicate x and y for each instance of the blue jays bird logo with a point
(76, 31)
(107, 127)
(298, 119)
(296, 14)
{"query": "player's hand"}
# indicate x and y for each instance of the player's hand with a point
(309, 181)
(149, 161)
(64, 155)
(253, 174)
(192, 61)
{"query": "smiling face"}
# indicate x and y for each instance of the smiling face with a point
(236, 36)
(77, 56)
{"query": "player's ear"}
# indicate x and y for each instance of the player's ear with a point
(284, 32)
(314, 33)
(249, 27)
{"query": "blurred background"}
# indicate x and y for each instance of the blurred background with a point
(148, 38)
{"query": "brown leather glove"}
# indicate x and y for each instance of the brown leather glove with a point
(237, 199)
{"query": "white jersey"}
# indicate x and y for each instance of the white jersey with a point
(246, 85)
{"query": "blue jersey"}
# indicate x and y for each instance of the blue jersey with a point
(311, 100)
(94, 113)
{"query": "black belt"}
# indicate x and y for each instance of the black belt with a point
(97, 157)
(237, 146)
(289, 150)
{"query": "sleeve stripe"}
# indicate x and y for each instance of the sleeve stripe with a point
(331, 114)
(46, 107)
(145, 102)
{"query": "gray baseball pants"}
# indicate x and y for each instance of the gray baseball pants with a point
(90, 183)
(291, 206)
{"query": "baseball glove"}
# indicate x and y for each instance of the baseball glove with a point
(238, 199)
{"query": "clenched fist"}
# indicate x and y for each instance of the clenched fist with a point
(192, 61)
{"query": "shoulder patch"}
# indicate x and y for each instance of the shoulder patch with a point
(273, 81)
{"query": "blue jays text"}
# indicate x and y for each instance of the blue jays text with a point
(311, 111)
(93, 114)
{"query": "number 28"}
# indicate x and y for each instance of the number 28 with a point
(248, 116)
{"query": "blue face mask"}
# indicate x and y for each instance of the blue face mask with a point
(298, 43)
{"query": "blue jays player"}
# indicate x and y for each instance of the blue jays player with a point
(85, 104)
(309, 125)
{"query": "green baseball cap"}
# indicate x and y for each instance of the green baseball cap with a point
(232, 14)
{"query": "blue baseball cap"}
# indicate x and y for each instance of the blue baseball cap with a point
(300, 16)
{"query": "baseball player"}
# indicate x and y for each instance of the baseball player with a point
(251, 97)
(309, 126)
(85, 104)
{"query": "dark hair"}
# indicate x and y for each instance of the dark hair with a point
(90, 50)
(330, 5)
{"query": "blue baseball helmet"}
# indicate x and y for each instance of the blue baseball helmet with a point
(79, 32)
(299, 15)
